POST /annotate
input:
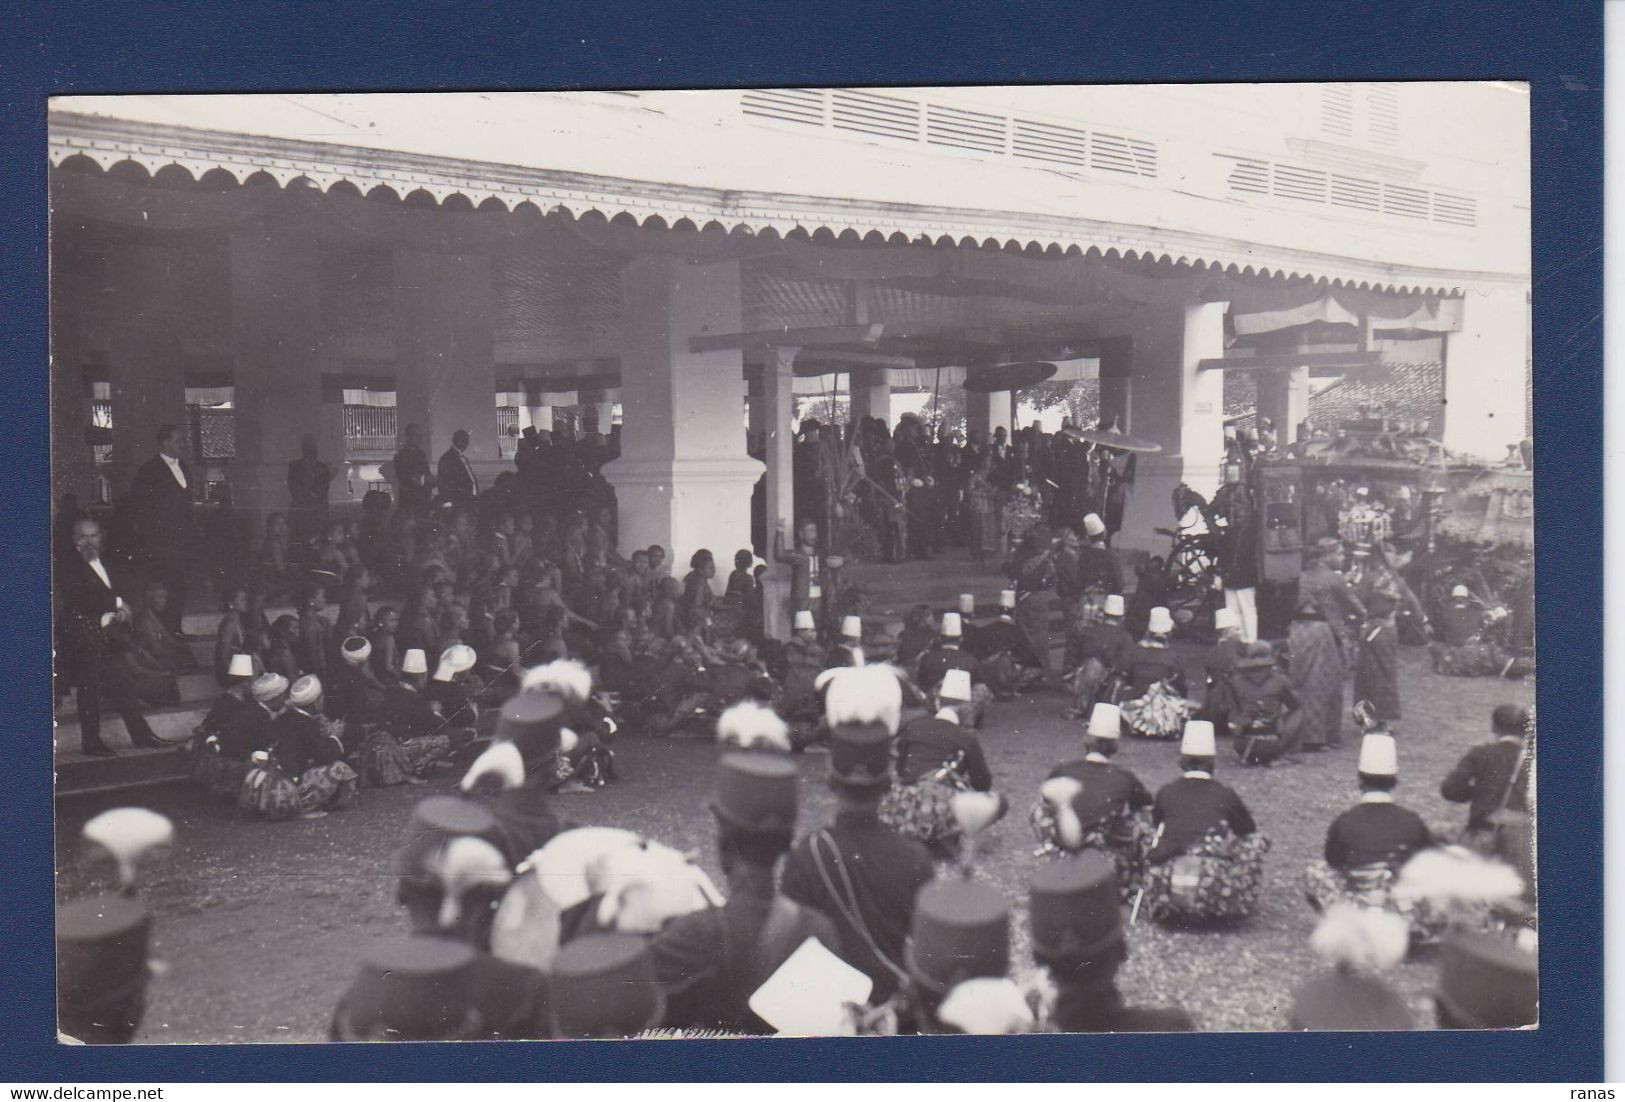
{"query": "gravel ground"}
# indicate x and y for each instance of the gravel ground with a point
(260, 924)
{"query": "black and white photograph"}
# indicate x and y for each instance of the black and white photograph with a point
(793, 561)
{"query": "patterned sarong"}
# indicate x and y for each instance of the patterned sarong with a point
(1127, 841)
(219, 774)
(1373, 886)
(384, 761)
(922, 810)
(1160, 714)
(1218, 877)
(327, 786)
(268, 793)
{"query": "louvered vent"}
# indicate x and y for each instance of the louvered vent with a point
(1249, 177)
(1039, 141)
(1406, 202)
(1458, 210)
(1356, 194)
(887, 115)
(1308, 184)
(868, 113)
(961, 129)
(1382, 113)
(804, 105)
(1337, 111)
(1114, 153)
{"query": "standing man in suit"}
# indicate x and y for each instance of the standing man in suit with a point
(308, 482)
(414, 481)
(93, 621)
(161, 497)
(457, 482)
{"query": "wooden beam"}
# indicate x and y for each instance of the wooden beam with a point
(1315, 361)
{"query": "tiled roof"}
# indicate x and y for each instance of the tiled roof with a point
(1402, 391)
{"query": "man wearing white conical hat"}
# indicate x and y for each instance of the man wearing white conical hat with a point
(936, 757)
(1154, 701)
(411, 737)
(310, 752)
(1110, 810)
(1368, 844)
(1100, 651)
(1004, 649)
(1208, 861)
(233, 729)
(848, 649)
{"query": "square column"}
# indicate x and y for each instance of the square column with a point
(446, 355)
(987, 412)
(145, 355)
(1485, 373)
(1283, 397)
(776, 402)
(1172, 403)
(276, 320)
(683, 479)
(871, 394)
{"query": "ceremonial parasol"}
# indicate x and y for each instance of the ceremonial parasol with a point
(1113, 438)
(991, 378)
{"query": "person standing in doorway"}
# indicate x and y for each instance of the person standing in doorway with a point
(1237, 522)
(308, 482)
(161, 499)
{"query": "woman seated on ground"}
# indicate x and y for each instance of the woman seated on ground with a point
(274, 569)
(1154, 704)
(500, 659)
(1208, 862)
(385, 659)
(155, 656)
(232, 637)
(281, 656)
(352, 615)
(698, 597)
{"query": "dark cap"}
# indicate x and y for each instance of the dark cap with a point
(101, 954)
(532, 720)
(756, 792)
(452, 815)
(411, 989)
(1487, 982)
(1509, 719)
(961, 932)
(1073, 908)
(603, 985)
(1348, 1001)
(860, 755)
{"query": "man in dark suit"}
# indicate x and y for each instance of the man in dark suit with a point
(93, 618)
(161, 496)
(457, 482)
(414, 482)
(308, 482)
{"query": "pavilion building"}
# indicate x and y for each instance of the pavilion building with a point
(262, 267)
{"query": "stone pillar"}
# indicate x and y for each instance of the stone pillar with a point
(1172, 404)
(144, 355)
(275, 326)
(987, 412)
(683, 479)
(1283, 397)
(777, 405)
(445, 352)
(871, 394)
(1484, 373)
